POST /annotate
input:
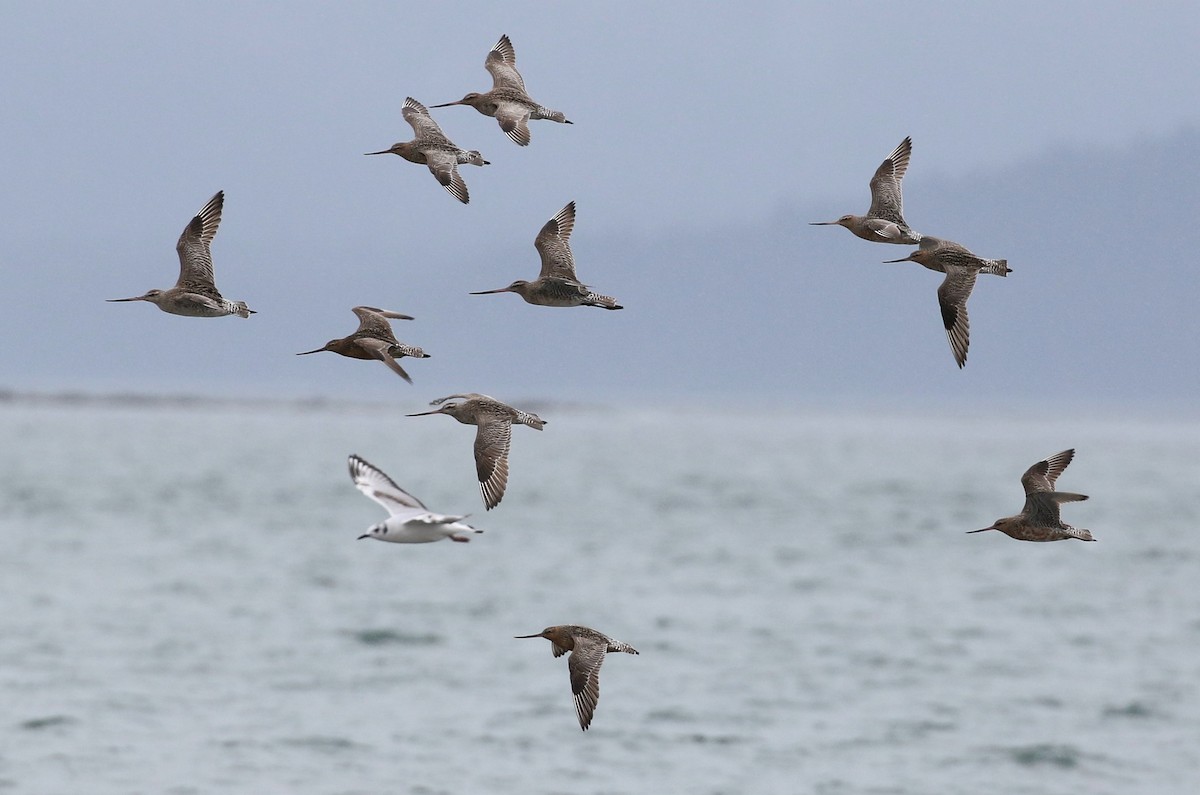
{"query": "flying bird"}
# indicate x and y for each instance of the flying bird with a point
(374, 340)
(884, 221)
(195, 294)
(961, 267)
(557, 284)
(587, 647)
(409, 521)
(1039, 519)
(508, 101)
(494, 421)
(432, 148)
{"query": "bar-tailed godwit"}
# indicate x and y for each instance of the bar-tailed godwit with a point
(432, 148)
(557, 284)
(493, 437)
(374, 340)
(1039, 519)
(195, 294)
(587, 647)
(884, 221)
(961, 267)
(508, 101)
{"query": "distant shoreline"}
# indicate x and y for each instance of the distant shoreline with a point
(10, 397)
(135, 400)
(867, 410)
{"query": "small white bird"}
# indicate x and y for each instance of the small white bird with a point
(410, 522)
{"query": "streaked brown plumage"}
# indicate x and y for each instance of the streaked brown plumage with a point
(1039, 519)
(961, 267)
(557, 284)
(374, 340)
(884, 221)
(432, 148)
(507, 102)
(493, 437)
(195, 293)
(587, 647)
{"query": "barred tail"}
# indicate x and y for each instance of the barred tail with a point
(530, 419)
(239, 308)
(1079, 532)
(411, 351)
(605, 301)
(551, 115)
(996, 267)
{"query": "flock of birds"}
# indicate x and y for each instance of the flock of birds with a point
(884, 223)
(1039, 519)
(409, 521)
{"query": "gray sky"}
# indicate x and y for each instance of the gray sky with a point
(121, 120)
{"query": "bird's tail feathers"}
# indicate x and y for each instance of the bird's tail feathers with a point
(411, 351)
(996, 267)
(1080, 533)
(552, 115)
(603, 301)
(240, 309)
(530, 419)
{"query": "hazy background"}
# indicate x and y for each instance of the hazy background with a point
(189, 610)
(1064, 137)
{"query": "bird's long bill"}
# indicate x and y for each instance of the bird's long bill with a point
(448, 104)
(489, 292)
(993, 527)
(822, 223)
(384, 152)
(305, 353)
(424, 413)
(902, 259)
(364, 535)
(119, 300)
(528, 636)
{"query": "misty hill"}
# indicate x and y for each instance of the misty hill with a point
(1100, 305)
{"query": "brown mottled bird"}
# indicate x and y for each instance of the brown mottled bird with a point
(884, 221)
(961, 267)
(508, 101)
(494, 421)
(195, 293)
(1039, 520)
(432, 148)
(557, 284)
(374, 340)
(587, 647)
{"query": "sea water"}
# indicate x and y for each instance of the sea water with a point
(184, 606)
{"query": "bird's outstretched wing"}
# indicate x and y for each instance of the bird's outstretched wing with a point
(194, 247)
(554, 245)
(501, 63)
(374, 483)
